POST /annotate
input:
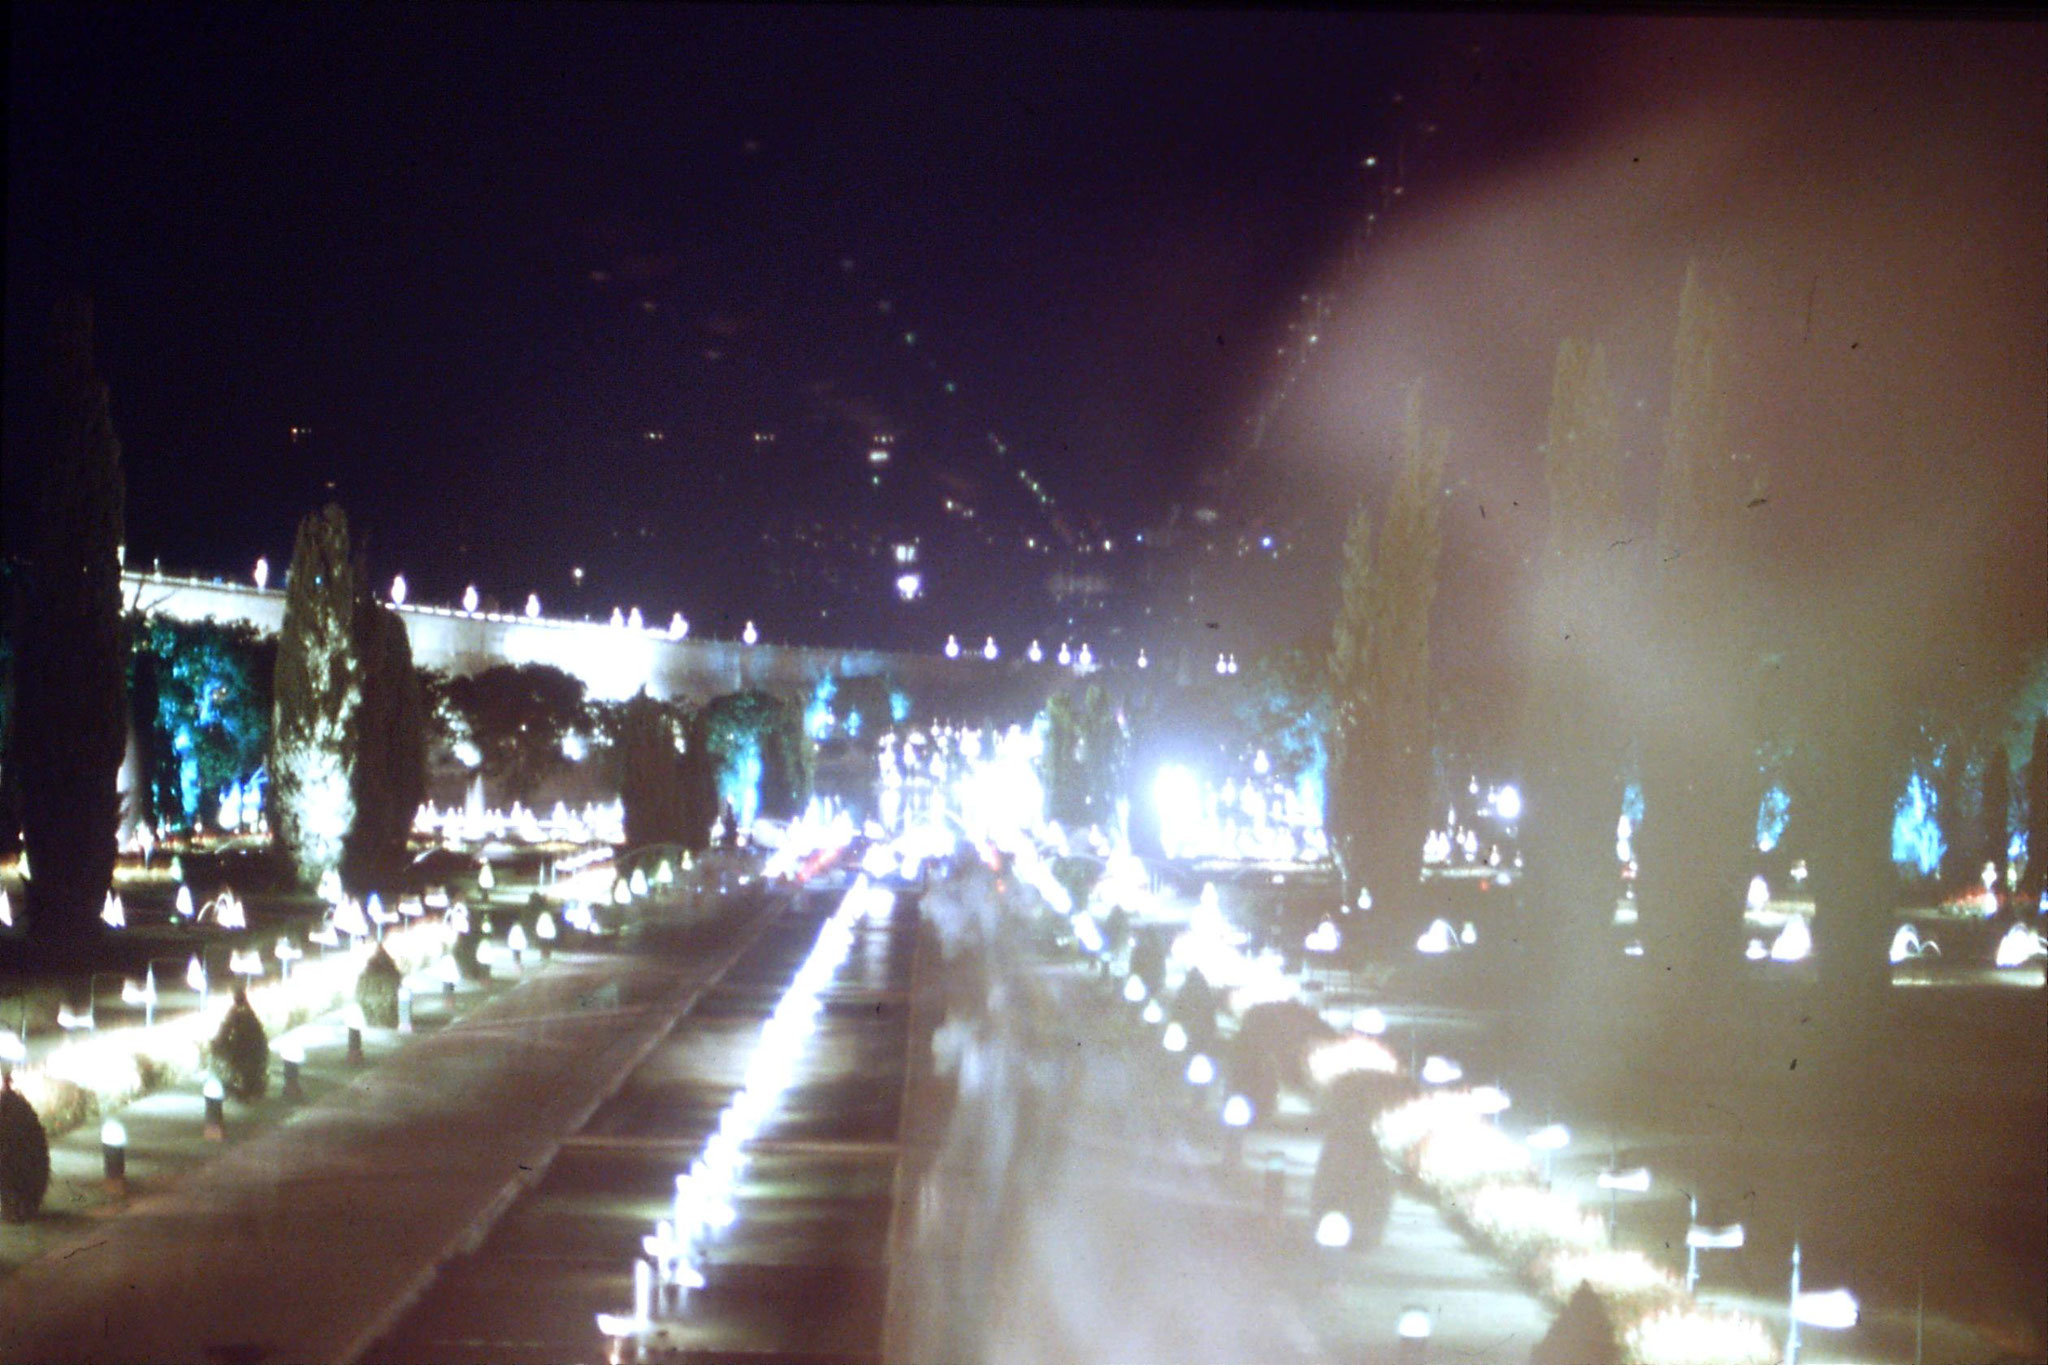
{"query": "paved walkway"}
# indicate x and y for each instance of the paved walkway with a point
(301, 1243)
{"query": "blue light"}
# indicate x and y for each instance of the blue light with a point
(1771, 814)
(1916, 829)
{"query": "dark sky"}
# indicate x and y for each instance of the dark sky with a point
(481, 251)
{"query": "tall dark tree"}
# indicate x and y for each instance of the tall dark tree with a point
(651, 776)
(1572, 743)
(317, 691)
(1084, 758)
(1997, 812)
(71, 726)
(1699, 695)
(1380, 745)
(2035, 877)
(390, 778)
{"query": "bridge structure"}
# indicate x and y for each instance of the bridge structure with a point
(615, 662)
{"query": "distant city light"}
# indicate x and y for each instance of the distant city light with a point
(909, 586)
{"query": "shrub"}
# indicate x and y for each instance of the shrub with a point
(24, 1157)
(466, 960)
(377, 990)
(241, 1052)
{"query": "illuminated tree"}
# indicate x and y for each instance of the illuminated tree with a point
(749, 749)
(1085, 758)
(1573, 748)
(1380, 745)
(317, 692)
(202, 692)
(71, 724)
(390, 777)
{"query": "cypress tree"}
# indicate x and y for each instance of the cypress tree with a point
(316, 695)
(1573, 752)
(1380, 751)
(1700, 692)
(2036, 875)
(390, 777)
(71, 727)
(651, 776)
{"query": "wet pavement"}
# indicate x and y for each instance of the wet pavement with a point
(803, 1272)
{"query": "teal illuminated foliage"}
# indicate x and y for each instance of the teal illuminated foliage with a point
(207, 724)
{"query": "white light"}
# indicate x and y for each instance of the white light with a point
(1134, 989)
(1323, 939)
(988, 651)
(1370, 1020)
(2019, 946)
(11, 1047)
(952, 647)
(262, 574)
(1333, 1230)
(1066, 655)
(1490, 1100)
(212, 1089)
(1176, 1038)
(677, 627)
(1155, 1013)
(1438, 938)
(1702, 1238)
(1831, 1308)
(1636, 1181)
(398, 590)
(634, 621)
(1035, 654)
(1759, 893)
(573, 747)
(618, 621)
(1507, 803)
(1201, 1071)
(533, 606)
(750, 635)
(113, 1134)
(1794, 942)
(469, 599)
(1237, 1112)
(1552, 1138)
(1441, 1071)
(1414, 1325)
(909, 586)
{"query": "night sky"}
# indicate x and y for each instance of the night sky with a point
(479, 254)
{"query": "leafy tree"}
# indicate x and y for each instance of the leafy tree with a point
(517, 716)
(651, 776)
(71, 726)
(1284, 709)
(1572, 749)
(317, 692)
(391, 752)
(1376, 805)
(1085, 757)
(750, 746)
(203, 710)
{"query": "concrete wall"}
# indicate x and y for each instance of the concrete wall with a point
(614, 662)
